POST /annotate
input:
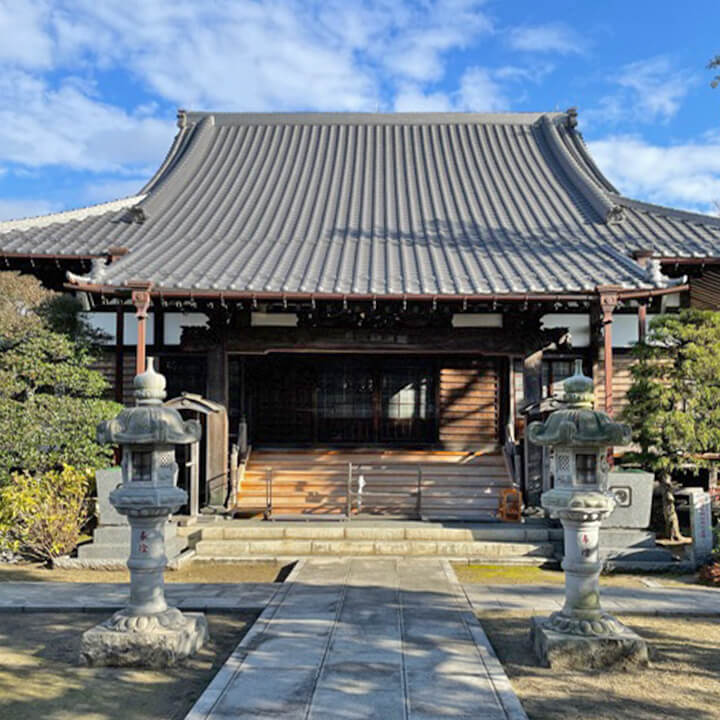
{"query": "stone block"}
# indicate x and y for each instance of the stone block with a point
(279, 547)
(298, 532)
(586, 652)
(106, 481)
(383, 547)
(375, 533)
(633, 493)
(231, 548)
(439, 533)
(344, 547)
(148, 643)
(252, 533)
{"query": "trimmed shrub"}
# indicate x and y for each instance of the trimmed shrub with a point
(42, 515)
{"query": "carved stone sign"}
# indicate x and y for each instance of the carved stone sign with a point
(700, 524)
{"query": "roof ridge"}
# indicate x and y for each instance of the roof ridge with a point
(68, 215)
(598, 198)
(364, 118)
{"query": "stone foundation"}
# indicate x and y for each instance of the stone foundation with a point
(621, 647)
(154, 641)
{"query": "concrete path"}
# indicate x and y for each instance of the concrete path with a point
(57, 596)
(661, 600)
(355, 638)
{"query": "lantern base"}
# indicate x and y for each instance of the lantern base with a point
(153, 641)
(620, 647)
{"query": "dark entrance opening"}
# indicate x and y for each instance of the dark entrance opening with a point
(340, 400)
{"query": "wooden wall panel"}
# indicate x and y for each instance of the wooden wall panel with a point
(705, 290)
(621, 381)
(468, 396)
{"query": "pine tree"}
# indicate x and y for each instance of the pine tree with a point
(674, 400)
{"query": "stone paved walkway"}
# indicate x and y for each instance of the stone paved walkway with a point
(57, 596)
(364, 638)
(661, 600)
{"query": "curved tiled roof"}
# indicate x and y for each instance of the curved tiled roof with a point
(370, 204)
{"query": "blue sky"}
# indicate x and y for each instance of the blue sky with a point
(89, 88)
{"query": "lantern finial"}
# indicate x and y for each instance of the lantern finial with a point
(150, 385)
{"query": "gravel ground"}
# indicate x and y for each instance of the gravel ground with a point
(41, 680)
(683, 680)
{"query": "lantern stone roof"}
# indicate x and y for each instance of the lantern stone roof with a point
(381, 205)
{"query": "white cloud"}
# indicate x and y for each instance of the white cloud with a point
(648, 91)
(411, 98)
(103, 191)
(68, 126)
(685, 175)
(478, 91)
(15, 209)
(24, 38)
(550, 37)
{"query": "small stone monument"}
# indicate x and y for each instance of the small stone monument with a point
(147, 633)
(582, 635)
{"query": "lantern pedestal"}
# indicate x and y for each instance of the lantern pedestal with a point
(557, 649)
(582, 635)
(154, 641)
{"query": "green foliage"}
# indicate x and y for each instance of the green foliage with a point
(41, 516)
(714, 64)
(674, 400)
(50, 397)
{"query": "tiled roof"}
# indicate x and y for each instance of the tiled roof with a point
(372, 204)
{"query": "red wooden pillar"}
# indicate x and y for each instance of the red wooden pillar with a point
(608, 303)
(141, 300)
(642, 321)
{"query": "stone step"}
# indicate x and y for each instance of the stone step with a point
(387, 531)
(209, 549)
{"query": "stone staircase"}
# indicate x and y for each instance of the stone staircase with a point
(236, 540)
(401, 483)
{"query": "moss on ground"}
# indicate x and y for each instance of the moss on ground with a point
(196, 572)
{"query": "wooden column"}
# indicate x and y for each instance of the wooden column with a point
(217, 374)
(141, 299)
(608, 303)
(532, 391)
(642, 321)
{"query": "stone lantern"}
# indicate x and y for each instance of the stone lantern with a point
(582, 634)
(147, 632)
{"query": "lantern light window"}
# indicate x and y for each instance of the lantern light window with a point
(586, 469)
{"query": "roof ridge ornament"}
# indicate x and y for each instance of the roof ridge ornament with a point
(572, 117)
(182, 118)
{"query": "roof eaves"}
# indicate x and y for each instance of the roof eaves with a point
(683, 215)
(78, 214)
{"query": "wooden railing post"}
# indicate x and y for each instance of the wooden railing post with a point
(349, 491)
(419, 491)
(268, 492)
